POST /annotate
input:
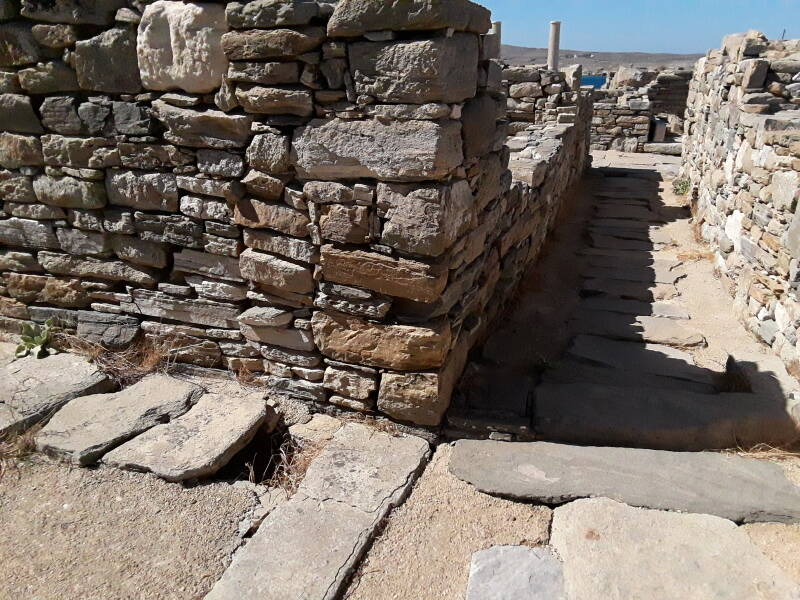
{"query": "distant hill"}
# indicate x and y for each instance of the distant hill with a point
(594, 62)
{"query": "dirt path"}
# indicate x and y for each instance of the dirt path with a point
(106, 534)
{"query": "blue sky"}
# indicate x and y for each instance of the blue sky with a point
(683, 26)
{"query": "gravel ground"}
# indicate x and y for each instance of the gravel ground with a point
(425, 550)
(105, 534)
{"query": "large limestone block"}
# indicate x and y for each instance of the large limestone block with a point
(391, 151)
(69, 192)
(203, 129)
(275, 100)
(400, 277)
(199, 311)
(414, 397)
(275, 272)
(17, 45)
(141, 190)
(114, 270)
(200, 442)
(46, 290)
(204, 263)
(258, 44)
(31, 388)
(353, 18)
(270, 153)
(76, 12)
(107, 62)
(402, 347)
(257, 213)
(610, 550)
(425, 220)
(17, 114)
(180, 46)
(271, 13)
(109, 330)
(437, 70)
(20, 151)
(90, 426)
(732, 487)
(27, 233)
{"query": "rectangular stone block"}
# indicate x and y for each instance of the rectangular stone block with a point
(391, 151)
(275, 272)
(400, 277)
(436, 70)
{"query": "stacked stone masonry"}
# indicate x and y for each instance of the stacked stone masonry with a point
(317, 193)
(742, 157)
(624, 112)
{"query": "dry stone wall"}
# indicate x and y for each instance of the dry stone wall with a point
(315, 192)
(624, 111)
(742, 157)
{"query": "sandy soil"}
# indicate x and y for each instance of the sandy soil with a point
(780, 543)
(425, 551)
(105, 534)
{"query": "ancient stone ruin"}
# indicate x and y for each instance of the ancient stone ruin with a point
(317, 193)
(740, 157)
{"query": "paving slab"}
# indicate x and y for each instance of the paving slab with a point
(515, 573)
(33, 389)
(198, 443)
(617, 552)
(569, 370)
(744, 490)
(593, 414)
(611, 242)
(308, 546)
(649, 274)
(653, 359)
(90, 426)
(629, 289)
(665, 310)
(655, 237)
(636, 328)
(634, 213)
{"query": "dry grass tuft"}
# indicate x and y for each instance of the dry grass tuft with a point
(16, 447)
(289, 465)
(145, 356)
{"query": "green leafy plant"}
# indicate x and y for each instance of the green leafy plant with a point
(35, 339)
(681, 186)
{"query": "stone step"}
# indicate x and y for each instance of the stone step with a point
(653, 359)
(593, 414)
(634, 213)
(636, 329)
(623, 256)
(744, 490)
(515, 573)
(33, 389)
(90, 426)
(199, 443)
(635, 307)
(629, 289)
(615, 243)
(574, 371)
(309, 546)
(611, 550)
(642, 234)
(650, 274)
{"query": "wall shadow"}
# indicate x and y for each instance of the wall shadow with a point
(594, 348)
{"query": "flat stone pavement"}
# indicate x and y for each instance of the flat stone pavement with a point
(620, 334)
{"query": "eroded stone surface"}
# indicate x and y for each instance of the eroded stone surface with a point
(308, 546)
(179, 46)
(515, 573)
(200, 442)
(729, 486)
(90, 426)
(32, 389)
(611, 550)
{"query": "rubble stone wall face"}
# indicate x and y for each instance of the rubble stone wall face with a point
(316, 192)
(741, 153)
(623, 115)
